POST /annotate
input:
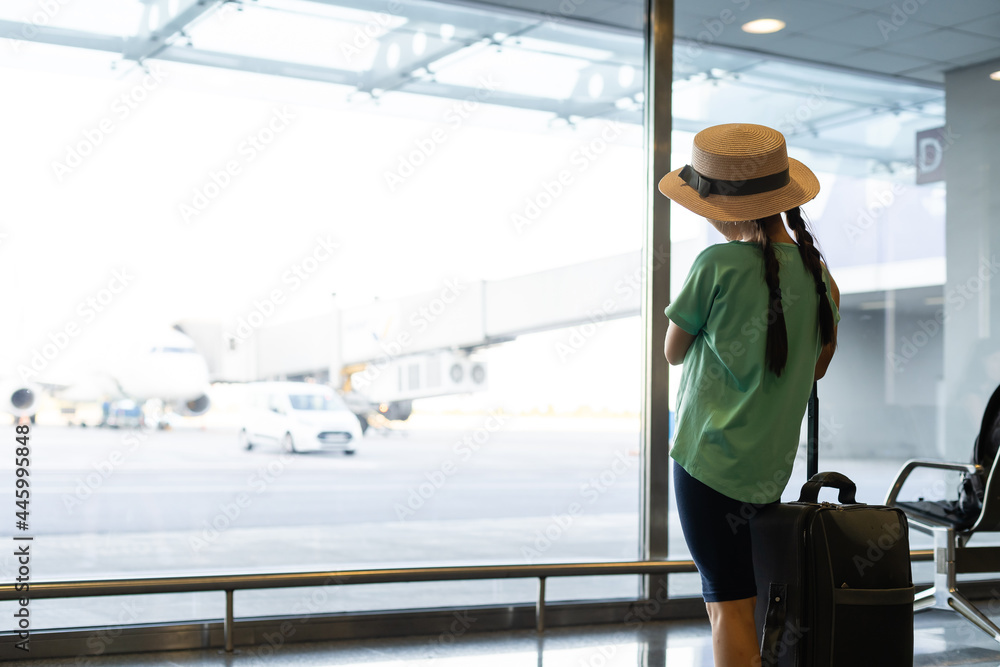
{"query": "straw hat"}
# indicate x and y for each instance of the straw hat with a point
(739, 172)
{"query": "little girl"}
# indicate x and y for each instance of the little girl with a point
(754, 325)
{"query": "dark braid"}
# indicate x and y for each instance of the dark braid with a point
(776, 353)
(812, 258)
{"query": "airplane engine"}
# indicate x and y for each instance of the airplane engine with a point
(194, 407)
(20, 400)
(397, 410)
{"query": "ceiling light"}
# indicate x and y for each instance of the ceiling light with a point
(153, 19)
(763, 26)
(392, 56)
(996, 75)
(419, 43)
(626, 75)
(596, 85)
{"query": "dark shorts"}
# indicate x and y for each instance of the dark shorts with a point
(717, 530)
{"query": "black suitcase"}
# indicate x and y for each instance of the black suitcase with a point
(834, 586)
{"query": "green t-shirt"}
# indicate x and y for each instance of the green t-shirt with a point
(737, 423)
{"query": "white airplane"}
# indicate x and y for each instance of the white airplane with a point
(166, 366)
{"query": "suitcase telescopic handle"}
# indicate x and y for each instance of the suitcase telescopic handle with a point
(810, 490)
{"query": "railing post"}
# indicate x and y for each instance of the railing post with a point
(540, 607)
(227, 624)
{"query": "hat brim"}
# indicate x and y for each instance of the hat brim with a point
(803, 186)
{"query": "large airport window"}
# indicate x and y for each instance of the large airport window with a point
(360, 292)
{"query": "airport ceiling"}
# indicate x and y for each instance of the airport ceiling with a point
(846, 78)
(910, 39)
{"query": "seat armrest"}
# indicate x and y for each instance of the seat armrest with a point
(913, 464)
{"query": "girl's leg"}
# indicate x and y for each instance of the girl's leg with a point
(734, 637)
(719, 540)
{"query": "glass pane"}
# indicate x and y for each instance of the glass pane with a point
(108, 614)
(386, 318)
(107, 17)
(883, 239)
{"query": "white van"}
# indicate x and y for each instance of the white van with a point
(298, 417)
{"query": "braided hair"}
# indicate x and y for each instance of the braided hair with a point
(812, 258)
(776, 348)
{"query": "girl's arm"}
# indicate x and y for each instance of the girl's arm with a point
(676, 344)
(826, 354)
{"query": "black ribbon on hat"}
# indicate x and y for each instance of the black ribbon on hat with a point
(717, 186)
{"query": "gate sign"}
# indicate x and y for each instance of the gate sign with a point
(930, 155)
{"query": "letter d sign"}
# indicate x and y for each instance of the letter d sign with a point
(930, 156)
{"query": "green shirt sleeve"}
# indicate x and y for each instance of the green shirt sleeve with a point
(691, 308)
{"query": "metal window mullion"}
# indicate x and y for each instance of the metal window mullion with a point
(655, 496)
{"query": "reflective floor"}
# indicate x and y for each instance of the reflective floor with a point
(941, 638)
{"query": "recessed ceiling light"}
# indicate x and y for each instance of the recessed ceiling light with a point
(763, 26)
(996, 75)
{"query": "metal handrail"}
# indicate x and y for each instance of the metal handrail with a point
(194, 584)
(234, 582)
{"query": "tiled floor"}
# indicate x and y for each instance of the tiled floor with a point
(941, 638)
